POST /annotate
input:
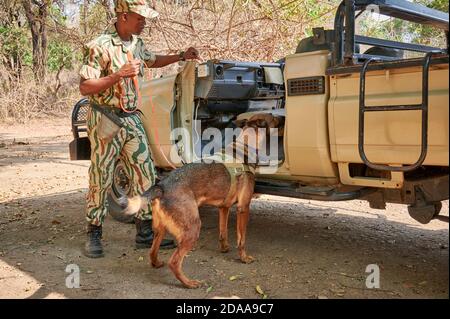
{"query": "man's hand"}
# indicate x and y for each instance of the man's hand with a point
(191, 54)
(163, 60)
(95, 86)
(130, 69)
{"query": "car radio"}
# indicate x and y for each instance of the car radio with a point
(232, 80)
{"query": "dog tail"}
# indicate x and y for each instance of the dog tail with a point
(132, 205)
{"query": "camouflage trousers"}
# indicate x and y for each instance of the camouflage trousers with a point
(131, 147)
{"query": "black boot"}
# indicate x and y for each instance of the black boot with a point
(93, 247)
(144, 235)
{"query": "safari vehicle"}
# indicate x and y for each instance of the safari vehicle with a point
(370, 125)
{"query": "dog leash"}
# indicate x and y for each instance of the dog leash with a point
(136, 88)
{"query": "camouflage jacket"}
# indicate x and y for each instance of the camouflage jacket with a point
(104, 56)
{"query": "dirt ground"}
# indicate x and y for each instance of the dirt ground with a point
(303, 249)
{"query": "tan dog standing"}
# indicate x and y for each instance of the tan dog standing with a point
(175, 202)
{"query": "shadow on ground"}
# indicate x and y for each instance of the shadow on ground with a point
(302, 250)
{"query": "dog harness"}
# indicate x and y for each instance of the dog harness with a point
(235, 170)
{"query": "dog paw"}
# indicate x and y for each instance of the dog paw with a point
(247, 259)
(157, 264)
(192, 284)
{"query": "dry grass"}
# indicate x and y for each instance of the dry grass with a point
(221, 29)
(24, 99)
(239, 30)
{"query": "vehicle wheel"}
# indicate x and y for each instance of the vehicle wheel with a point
(423, 214)
(120, 186)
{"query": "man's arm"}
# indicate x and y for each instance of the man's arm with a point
(163, 60)
(95, 86)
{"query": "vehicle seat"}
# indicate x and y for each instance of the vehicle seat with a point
(387, 52)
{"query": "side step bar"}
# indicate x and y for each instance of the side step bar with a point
(308, 193)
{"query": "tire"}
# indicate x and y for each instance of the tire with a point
(425, 213)
(120, 187)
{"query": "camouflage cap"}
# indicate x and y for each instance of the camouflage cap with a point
(137, 6)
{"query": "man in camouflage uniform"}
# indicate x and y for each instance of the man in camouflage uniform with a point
(113, 62)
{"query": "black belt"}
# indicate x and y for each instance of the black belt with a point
(119, 112)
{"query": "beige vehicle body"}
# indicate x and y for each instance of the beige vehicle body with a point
(321, 143)
(322, 130)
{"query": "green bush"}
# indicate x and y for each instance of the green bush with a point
(60, 55)
(16, 45)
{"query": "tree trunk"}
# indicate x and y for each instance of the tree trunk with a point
(84, 16)
(36, 20)
(108, 9)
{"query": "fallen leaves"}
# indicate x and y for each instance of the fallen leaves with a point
(258, 288)
(261, 292)
(338, 292)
